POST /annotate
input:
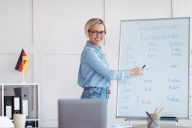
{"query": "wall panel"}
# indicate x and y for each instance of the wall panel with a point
(59, 82)
(8, 74)
(16, 22)
(63, 20)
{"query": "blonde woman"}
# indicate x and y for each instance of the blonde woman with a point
(94, 73)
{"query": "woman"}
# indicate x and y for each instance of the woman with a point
(94, 73)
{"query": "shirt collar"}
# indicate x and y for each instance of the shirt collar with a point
(93, 46)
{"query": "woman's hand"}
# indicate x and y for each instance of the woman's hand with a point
(136, 71)
(109, 91)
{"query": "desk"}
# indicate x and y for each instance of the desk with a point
(161, 126)
(144, 126)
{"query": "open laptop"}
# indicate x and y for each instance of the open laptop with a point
(82, 113)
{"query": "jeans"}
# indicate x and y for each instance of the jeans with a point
(95, 93)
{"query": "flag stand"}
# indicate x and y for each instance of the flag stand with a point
(23, 80)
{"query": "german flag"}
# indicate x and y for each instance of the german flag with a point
(23, 62)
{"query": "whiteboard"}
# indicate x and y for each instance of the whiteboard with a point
(163, 45)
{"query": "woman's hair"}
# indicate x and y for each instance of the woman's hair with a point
(91, 23)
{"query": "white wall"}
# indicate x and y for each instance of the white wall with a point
(52, 34)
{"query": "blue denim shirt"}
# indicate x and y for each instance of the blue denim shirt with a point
(94, 70)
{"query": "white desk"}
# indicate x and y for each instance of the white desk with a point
(161, 126)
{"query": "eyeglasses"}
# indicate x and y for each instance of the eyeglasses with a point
(95, 33)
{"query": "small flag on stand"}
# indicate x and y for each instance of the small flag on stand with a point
(23, 62)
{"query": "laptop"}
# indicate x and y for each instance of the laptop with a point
(82, 113)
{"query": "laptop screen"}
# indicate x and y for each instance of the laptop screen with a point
(82, 113)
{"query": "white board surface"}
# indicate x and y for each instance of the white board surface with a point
(163, 45)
